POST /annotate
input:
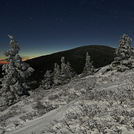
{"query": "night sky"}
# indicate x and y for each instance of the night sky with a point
(46, 26)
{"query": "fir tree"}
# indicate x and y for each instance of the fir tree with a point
(89, 68)
(67, 72)
(63, 66)
(15, 74)
(63, 71)
(124, 55)
(56, 75)
(70, 72)
(48, 80)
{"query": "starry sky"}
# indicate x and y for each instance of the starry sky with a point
(43, 27)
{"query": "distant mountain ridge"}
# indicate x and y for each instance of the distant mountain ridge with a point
(100, 55)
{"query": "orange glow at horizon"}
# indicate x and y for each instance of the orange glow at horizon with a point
(4, 62)
(23, 59)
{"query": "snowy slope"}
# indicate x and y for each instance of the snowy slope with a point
(93, 105)
(39, 124)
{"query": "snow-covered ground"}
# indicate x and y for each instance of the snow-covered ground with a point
(96, 104)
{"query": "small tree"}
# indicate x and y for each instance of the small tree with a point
(48, 80)
(70, 72)
(124, 59)
(56, 75)
(67, 72)
(89, 68)
(63, 71)
(63, 65)
(15, 74)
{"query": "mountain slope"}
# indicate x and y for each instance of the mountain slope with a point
(94, 104)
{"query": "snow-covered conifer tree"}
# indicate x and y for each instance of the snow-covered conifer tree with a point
(63, 66)
(67, 72)
(89, 68)
(15, 74)
(70, 72)
(48, 80)
(56, 75)
(124, 59)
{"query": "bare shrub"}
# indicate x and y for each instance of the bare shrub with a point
(28, 116)
(38, 105)
(53, 97)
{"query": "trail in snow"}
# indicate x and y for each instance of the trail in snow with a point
(39, 124)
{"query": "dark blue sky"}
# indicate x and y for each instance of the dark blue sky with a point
(46, 26)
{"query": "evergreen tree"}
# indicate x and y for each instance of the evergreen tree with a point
(48, 80)
(56, 75)
(89, 68)
(63, 66)
(63, 71)
(70, 72)
(15, 74)
(124, 59)
(67, 72)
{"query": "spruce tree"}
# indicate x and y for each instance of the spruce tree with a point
(67, 72)
(70, 72)
(63, 71)
(63, 66)
(15, 74)
(56, 75)
(48, 80)
(89, 68)
(124, 55)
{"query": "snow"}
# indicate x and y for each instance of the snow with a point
(39, 124)
(91, 105)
